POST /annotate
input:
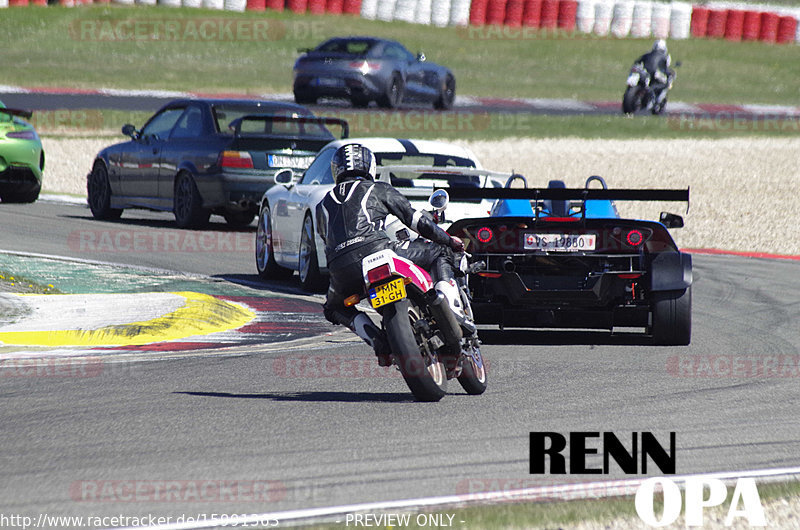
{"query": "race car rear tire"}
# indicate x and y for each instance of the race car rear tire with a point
(22, 197)
(631, 101)
(394, 93)
(311, 278)
(425, 376)
(447, 94)
(672, 317)
(188, 204)
(98, 190)
(266, 265)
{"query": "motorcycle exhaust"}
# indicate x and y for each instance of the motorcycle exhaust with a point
(508, 266)
(444, 316)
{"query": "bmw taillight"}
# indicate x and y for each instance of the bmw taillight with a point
(379, 273)
(236, 159)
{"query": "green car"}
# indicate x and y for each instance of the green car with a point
(21, 157)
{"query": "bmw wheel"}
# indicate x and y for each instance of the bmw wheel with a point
(98, 190)
(187, 203)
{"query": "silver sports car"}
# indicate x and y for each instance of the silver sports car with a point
(286, 239)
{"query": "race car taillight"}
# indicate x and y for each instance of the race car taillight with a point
(485, 234)
(634, 238)
(28, 134)
(236, 159)
(379, 273)
(365, 67)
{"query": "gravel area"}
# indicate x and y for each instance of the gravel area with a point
(743, 191)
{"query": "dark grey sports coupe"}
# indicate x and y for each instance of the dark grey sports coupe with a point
(196, 157)
(365, 69)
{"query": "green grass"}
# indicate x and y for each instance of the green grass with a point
(77, 48)
(564, 514)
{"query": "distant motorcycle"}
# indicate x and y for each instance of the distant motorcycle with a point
(429, 346)
(643, 93)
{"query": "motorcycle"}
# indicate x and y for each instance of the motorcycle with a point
(642, 94)
(429, 345)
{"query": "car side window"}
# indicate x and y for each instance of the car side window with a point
(395, 51)
(161, 124)
(189, 125)
(319, 172)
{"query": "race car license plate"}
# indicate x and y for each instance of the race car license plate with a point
(387, 293)
(560, 242)
(299, 162)
(328, 81)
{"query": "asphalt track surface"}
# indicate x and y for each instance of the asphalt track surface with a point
(323, 426)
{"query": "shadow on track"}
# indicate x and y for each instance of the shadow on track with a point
(567, 337)
(167, 222)
(319, 397)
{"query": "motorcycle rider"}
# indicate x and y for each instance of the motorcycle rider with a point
(657, 63)
(351, 220)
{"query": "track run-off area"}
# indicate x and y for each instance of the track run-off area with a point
(253, 425)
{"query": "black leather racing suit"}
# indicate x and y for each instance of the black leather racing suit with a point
(351, 220)
(657, 65)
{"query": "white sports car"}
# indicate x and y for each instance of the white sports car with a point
(286, 239)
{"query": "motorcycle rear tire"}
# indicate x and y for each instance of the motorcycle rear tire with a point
(425, 377)
(632, 100)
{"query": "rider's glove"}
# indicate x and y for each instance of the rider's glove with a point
(456, 244)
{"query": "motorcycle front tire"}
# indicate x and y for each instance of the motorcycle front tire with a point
(426, 380)
(632, 100)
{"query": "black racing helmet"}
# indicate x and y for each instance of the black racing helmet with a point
(353, 161)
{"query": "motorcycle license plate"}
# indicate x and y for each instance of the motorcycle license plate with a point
(387, 293)
(560, 242)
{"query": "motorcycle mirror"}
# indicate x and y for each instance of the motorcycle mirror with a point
(671, 220)
(439, 200)
(284, 176)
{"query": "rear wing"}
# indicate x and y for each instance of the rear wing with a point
(17, 112)
(282, 118)
(384, 174)
(572, 194)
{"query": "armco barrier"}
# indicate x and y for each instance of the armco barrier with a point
(297, 6)
(440, 13)
(734, 25)
(514, 9)
(275, 5)
(477, 13)
(404, 10)
(716, 23)
(253, 5)
(385, 10)
(567, 11)
(787, 29)
(751, 25)
(532, 13)
(549, 16)
(699, 24)
(769, 27)
(495, 12)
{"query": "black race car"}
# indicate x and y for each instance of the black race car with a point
(563, 258)
(196, 157)
(365, 69)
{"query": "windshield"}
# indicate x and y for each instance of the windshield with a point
(358, 47)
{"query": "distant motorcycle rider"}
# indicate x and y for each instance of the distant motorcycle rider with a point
(351, 220)
(657, 63)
